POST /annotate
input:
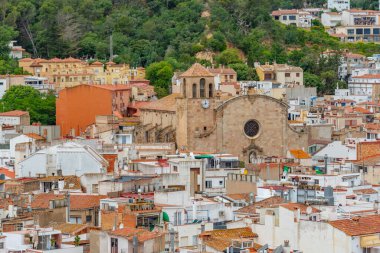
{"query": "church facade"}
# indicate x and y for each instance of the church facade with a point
(246, 126)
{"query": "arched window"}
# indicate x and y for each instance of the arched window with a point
(202, 88)
(194, 90)
(210, 90)
(184, 87)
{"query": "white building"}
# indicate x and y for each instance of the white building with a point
(66, 159)
(339, 5)
(294, 227)
(336, 151)
(38, 240)
(294, 17)
(359, 25)
(367, 85)
(15, 118)
(331, 19)
(15, 51)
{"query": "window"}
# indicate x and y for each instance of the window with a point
(1, 83)
(88, 218)
(284, 17)
(251, 128)
(208, 184)
(367, 31)
(292, 17)
(297, 74)
(19, 227)
(195, 240)
(175, 168)
(76, 220)
(202, 88)
(287, 74)
(1, 245)
(184, 87)
(359, 31)
(316, 181)
(376, 30)
(114, 245)
(194, 90)
(221, 182)
(350, 31)
(95, 188)
(177, 218)
(210, 90)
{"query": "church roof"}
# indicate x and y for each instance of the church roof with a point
(197, 70)
(167, 103)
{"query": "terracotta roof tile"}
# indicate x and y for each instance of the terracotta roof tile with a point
(15, 113)
(271, 202)
(69, 228)
(142, 234)
(299, 154)
(77, 202)
(197, 70)
(221, 239)
(7, 173)
(302, 207)
(35, 136)
(167, 103)
(97, 63)
(358, 226)
(366, 191)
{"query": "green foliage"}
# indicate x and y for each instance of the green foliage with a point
(41, 107)
(76, 240)
(145, 32)
(228, 56)
(244, 72)
(160, 75)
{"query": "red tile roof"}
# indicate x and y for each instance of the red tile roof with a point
(111, 87)
(167, 103)
(35, 136)
(197, 70)
(358, 226)
(221, 239)
(302, 207)
(271, 202)
(368, 76)
(15, 113)
(299, 154)
(77, 202)
(7, 173)
(365, 191)
(142, 234)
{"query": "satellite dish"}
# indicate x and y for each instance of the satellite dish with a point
(309, 210)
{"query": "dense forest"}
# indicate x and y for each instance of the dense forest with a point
(171, 33)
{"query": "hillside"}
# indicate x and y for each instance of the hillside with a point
(148, 31)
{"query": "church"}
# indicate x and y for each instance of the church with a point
(202, 119)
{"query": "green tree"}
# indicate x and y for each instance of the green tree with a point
(228, 56)
(160, 75)
(244, 72)
(41, 107)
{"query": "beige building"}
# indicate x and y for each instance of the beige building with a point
(280, 73)
(202, 121)
(71, 72)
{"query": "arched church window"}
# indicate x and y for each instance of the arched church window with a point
(184, 87)
(210, 90)
(194, 90)
(202, 88)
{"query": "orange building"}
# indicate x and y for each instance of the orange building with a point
(78, 106)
